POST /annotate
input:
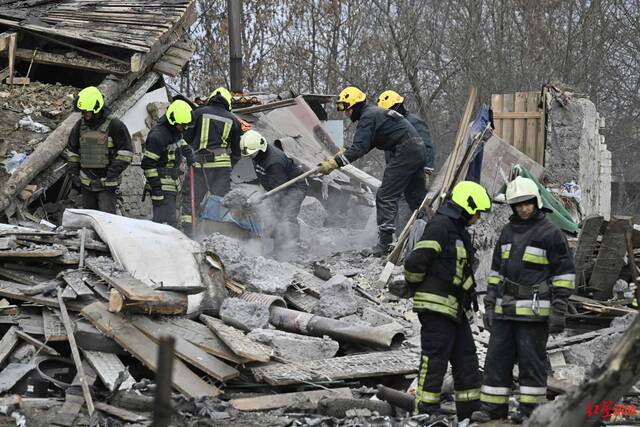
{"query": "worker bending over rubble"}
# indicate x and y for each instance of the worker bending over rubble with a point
(215, 139)
(274, 168)
(99, 150)
(532, 276)
(390, 131)
(438, 274)
(164, 149)
(392, 100)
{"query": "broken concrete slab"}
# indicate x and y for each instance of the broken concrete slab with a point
(337, 298)
(282, 400)
(244, 315)
(296, 347)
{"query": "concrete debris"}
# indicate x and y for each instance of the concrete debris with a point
(337, 299)
(312, 213)
(244, 315)
(295, 347)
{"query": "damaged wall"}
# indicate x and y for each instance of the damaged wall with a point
(575, 151)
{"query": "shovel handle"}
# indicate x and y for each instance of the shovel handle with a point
(289, 183)
(192, 190)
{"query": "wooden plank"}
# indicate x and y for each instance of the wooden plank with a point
(205, 339)
(561, 343)
(283, 400)
(75, 280)
(542, 130)
(69, 294)
(120, 413)
(16, 291)
(237, 341)
(519, 124)
(73, 402)
(367, 365)
(40, 346)
(8, 342)
(610, 258)
(127, 285)
(32, 254)
(587, 248)
(531, 140)
(519, 114)
(53, 327)
(507, 124)
(13, 373)
(145, 350)
(496, 106)
(110, 369)
(188, 352)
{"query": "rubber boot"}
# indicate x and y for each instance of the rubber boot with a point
(385, 239)
(481, 417)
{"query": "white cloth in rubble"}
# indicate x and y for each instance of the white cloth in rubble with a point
(151, 252)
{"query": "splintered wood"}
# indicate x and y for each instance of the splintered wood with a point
(237, 340)
(145, 350)
(367, 365)
(53, 327)
(110, 369)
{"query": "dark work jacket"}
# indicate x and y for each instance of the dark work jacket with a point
(530, 253)
(423, 130)
(377, 128)
(119, 145)
(439, 267)
(164, 149)
(274, 168)
(223, 133)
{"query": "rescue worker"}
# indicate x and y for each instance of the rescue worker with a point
(215, 139)
(532, 276)
(274, 168)
(99, 149)
(390, 131)
(392, 100)
(164, 149)
(439, 273)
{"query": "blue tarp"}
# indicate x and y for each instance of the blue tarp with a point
(214, 210)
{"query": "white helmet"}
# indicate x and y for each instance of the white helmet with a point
(251, 142)
(522, 189)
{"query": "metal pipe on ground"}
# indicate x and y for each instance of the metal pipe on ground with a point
(162, 409)
(396, 398)
(319, 326)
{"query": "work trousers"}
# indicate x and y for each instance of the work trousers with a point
(287, 230)
(404, 174)
(217, 181)
(102, 200)
(164, 211)
(443, 341)
(515, 341)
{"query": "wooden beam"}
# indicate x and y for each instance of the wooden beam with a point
(76, 355)
(518, 114)
(120, 413)
(110, 369)
(54, 329)
(145, 350)
(237, 341)
(40, 346)
(8, 342)
(78, 62)
(283, 400)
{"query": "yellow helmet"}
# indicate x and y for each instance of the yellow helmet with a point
(471, 196)
(224, 93)
(179, 112)
(522, 189)
(349, 97)
(389, 98)
(251, 142)
(90, 100)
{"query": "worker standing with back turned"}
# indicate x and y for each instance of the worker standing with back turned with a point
(164, 149)
(532, 276)
(390, 131)
(99, 150)
(439, 274)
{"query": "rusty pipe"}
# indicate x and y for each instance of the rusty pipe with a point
(318, 326)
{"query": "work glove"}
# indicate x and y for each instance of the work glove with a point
(401, 289)
(75, 182)
(489, 310)
(190, 157)
(556, 323)
(328, 166)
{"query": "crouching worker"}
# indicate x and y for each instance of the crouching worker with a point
(532, 276)
(163, 153)
(274, 168)
(439, 272)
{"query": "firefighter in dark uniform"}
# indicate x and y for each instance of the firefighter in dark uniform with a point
(390, 131)
(274, 168)
(439, 272)
(215, 139)
(164, 149)
(532, 276)
(99, 149)
(393, 101)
